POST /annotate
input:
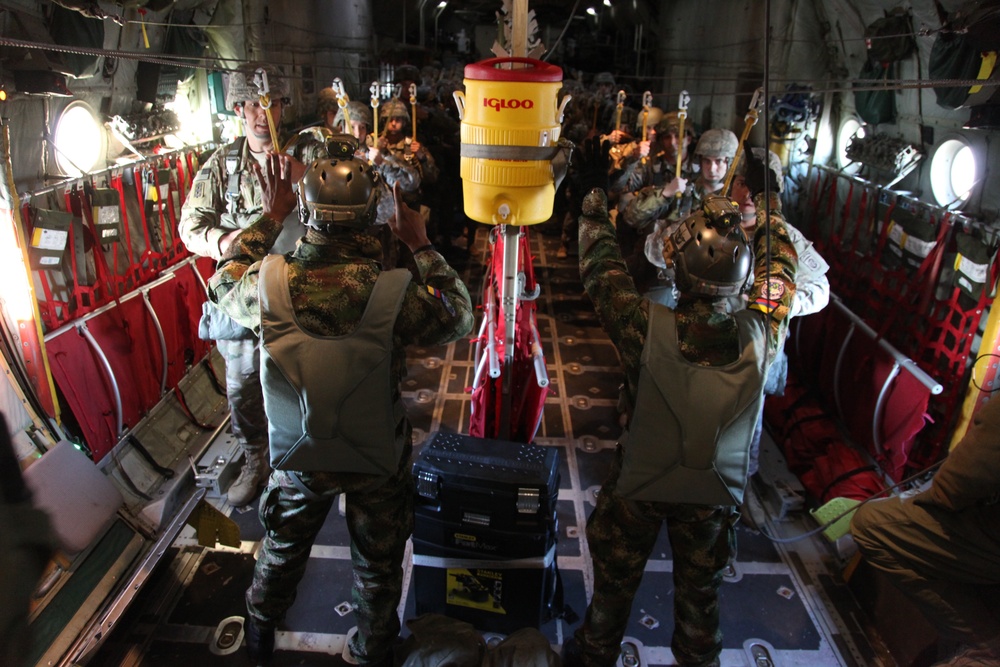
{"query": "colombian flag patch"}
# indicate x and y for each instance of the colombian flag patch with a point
(438, 294)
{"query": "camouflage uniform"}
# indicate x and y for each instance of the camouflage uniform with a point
(399, 163)
(205, 219)
(941, 546)
(330, 282)
(621, 534)
(654, 217)
(655, 171)
(398, 153)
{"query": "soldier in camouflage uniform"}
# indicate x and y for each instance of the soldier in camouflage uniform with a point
(812, 294)
(603, 119)
(397, 156)
(698, 350)
(654, 183)
(661, 153)
(656, 212)
(223, 200)
(361, 124)
(396, 146)
(331, 282)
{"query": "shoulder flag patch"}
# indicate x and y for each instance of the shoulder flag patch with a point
(438, 294)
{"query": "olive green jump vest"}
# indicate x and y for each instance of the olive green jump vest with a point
(329, 399)
(689, 437)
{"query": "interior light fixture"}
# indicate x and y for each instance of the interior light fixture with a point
(591, 11)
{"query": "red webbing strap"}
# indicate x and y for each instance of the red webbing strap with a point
(924, 281)
(103, 285)
(151, 260)
(78, 297)
(878, 289)
(181, 179)
(178, 250)
(134, 272)
(884, 233)
(835, 249)
(187, 411)
(832, 201)
(814, 230)
(191, 295)
(847, 279)
(837, 233)
(860, 219)
(930, 268)
(166, 237)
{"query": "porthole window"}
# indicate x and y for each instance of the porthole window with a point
(79, 141)
(849, 129)
(953, 173)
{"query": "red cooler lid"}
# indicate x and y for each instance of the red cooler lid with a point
(538, 71)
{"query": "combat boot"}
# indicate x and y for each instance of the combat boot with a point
(252, 477)
(259, 641)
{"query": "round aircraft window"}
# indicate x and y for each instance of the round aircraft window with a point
(851, 128)
(79, 140)
(953, 172)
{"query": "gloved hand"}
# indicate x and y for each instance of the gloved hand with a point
(593, 165)
(758, 173)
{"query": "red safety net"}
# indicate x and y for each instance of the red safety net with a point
(886, 252)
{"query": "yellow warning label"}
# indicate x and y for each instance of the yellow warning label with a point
(478, 589)
(462, 537)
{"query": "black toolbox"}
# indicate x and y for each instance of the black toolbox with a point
(484, 537)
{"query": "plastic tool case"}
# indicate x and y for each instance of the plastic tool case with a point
(484, 540)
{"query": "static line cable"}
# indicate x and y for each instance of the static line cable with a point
(569, 20)
(895, 84)
(108, 53)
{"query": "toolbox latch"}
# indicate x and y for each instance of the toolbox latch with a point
(528, 501)
(427, 484)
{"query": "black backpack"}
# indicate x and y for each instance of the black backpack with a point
(961, 51)
(875, 106)
(890, 38)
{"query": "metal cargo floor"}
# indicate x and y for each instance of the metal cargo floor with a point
(784, 598)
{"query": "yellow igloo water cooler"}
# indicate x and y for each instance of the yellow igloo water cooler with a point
(510, 126)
